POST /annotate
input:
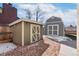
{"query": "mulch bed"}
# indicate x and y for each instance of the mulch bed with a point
(35, 49)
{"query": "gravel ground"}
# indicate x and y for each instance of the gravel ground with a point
(35, 49)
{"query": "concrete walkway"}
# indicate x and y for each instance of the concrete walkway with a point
(60, 49)
(67, 51)
(53, 49)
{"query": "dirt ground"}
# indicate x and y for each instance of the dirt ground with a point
(35, 49)
(45, 47)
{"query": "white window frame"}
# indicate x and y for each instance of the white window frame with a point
(53, 30)
(48, 29)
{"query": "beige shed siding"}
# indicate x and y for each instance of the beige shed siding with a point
(26, 33)
(22, 32)
(17, 33)
(41, 32)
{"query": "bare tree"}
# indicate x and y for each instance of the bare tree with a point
(39, 13)
(28, 13)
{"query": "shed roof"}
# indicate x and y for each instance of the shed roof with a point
(25, 20)
(54, 19)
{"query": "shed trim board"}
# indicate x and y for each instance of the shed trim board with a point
(55, 22)
(52, 28)
(30, 33)
(26, 20)
(22, 33)
(63, 31)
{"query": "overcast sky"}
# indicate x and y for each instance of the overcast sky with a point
(67, 12)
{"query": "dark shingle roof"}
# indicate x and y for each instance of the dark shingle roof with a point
(54, 19)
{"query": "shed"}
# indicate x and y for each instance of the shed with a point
(26, 31)
(54, 26)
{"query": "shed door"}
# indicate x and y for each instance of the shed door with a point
(53, 30)
(35, 33)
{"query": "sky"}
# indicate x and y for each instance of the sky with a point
(66, 11)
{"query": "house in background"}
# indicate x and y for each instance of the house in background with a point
(26, 31)
(70, 30)
(54, 26)
(8, 14)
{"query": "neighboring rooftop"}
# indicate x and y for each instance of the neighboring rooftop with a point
(54, 19)
(71, 28)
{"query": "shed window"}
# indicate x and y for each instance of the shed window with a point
(53, 29)
(50, 27)
(50, 32)
(55, 32)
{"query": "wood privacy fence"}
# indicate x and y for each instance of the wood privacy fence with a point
(5, 34)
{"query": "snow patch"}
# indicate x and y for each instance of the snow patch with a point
(5, 47)
(59, 38)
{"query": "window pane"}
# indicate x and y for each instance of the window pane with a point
(50, 32)
(54, 32)
(54, 27)
(50, 28)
